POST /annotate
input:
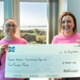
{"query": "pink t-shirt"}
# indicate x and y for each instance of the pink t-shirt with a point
(61, 39)
(2, 67)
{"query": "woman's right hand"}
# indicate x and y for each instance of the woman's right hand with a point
(3, 48)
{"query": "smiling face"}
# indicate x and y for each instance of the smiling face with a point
(67, 24)
(9, 28)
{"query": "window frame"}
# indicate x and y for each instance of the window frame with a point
(3, 6)
(47, 38)
(52, 15)
(1, 31)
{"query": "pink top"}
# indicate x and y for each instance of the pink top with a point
(2, 67)
(61, 39)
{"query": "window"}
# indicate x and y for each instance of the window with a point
(33, 22)
(1, 18)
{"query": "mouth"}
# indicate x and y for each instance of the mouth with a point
(66, 28)
(11, 31)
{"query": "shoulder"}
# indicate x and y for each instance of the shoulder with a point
(55, 38)
(2, 41)
(22, 40)
(77, 34)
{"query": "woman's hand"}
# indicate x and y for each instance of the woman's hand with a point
(3, 48)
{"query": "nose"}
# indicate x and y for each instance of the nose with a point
(66, 23)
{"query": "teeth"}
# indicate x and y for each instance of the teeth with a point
(66, 28)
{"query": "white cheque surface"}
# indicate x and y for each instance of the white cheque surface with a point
(42, 61)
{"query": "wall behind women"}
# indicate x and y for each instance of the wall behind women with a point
(62, 6)
(74, 7)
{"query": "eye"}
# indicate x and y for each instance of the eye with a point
(13, 25)
(8, 25)
(68, 21)
(63, 21)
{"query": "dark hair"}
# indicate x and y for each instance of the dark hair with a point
(73, 17)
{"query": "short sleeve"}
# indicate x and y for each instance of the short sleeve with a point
(53, 40)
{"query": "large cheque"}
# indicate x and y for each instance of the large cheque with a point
(42, 61)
